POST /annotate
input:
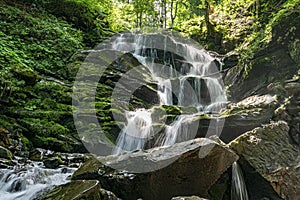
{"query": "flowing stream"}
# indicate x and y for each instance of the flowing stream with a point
(194, 70)
(25, 181)
(238, 186)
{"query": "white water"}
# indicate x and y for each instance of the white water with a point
(238, 186)
(24, 182)
(178, 131)
(134, 135)
(196, 68)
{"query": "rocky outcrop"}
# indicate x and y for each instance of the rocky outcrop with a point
(187, 168)
(268, 150)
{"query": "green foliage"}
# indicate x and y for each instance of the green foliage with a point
(264, 33)
(86, 15)
(35, 44)
(41, 43)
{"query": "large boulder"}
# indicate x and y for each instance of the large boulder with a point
(269, 151)
(187, 168)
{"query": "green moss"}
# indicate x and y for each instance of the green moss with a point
(44, 127)
(172, 110)
(52, 143)
(27, 144)
(37, 42)
(274, 28)
(294, 48)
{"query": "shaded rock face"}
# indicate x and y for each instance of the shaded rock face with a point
(179, 170)
(278, 62)
(77, 190)
(269, 151)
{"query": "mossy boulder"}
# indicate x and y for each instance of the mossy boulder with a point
(52, 163)
(5, 153)
(89, 170)
(79, 190)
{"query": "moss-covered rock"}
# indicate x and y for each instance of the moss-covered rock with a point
(79, 190)
(90, 170)
(52, 163)
(5, 153)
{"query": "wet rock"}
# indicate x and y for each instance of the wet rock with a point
(5, 153)
(268, 150)
(37, 154)
(5, 164)
(187, 168)
(77, 190)
(52, 163)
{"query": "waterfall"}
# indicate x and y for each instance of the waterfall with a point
(138, 130)
(178, 131)
(238, 186)
(26, 181)
(193, 69)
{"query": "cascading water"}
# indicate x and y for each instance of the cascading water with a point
(191, 72)
(26, 181)
(138, 130)
(238, 186)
